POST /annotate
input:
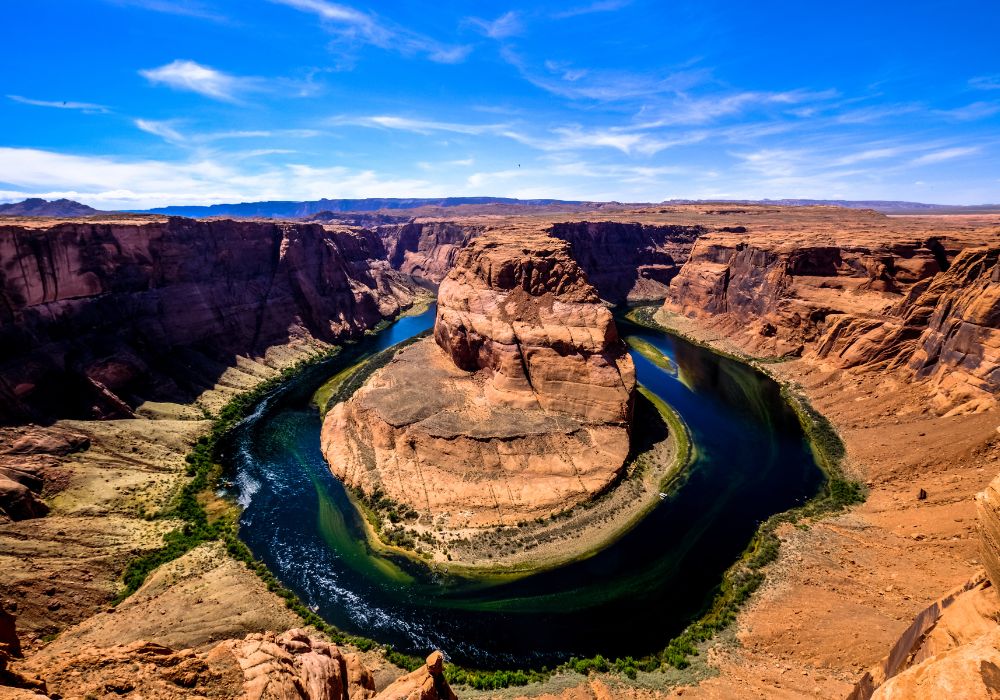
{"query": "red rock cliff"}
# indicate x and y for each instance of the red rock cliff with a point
(628, 261)
(518, 408)
(927, 307)
(95, 318)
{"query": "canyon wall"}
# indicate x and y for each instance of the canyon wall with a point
(928, 309)
(518, 408)
(425, 250)
(629, 261)
(97, 317)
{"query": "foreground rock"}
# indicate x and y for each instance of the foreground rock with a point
(293, 665)
(518, 408)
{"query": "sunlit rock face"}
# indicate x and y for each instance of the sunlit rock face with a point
(517, 408)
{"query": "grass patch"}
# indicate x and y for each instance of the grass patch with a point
(650, 352)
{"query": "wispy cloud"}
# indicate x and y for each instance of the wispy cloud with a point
(945, 154)
(574, 137)
(562, 79)
(187, 8)
(506, 25)
(86, 107)
(599, 6)
(165, 130)
(985, 82)
(416, 126)
(971, 112)
(352, 25)
(204, 80)
(683, 109)
(109, 182)
(170, 131)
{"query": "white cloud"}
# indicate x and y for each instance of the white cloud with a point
(353, 25)
(599, 6)
(110, 183)
(603, 86)
(204, 80)
(86, 107)
(416, 126)
(503, 27)
(945, 154)
(628, 140)
(186, 8)
(985, 82)
(169, 131)
(971, 112)
(873, 154)
(163, 129)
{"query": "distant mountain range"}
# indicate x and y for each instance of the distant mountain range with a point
(295, 210)
(41, 207)
(466, 205)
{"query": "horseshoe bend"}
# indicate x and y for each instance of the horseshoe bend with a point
(585, 350)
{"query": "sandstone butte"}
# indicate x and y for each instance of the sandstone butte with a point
(886, 324)
(517, 408)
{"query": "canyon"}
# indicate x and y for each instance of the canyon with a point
(888, 325)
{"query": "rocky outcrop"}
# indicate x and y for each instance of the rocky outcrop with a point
(518, 408)
(293, 665)
(426, 683)
(629, 261)
(29, 460)
(426, 250)
(97, 318)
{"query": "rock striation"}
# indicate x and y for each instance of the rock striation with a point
(518, 408)
(629, 261)
(926, 308)
(426, 250)
(29, 462)
(96, 318)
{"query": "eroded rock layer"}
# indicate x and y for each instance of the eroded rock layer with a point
(97, 317)
(628, 261)
(924, 307)
(518, 408)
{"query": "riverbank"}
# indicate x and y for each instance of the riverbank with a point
(842, 588)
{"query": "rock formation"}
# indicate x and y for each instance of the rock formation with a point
(426, 250)
(97, 317)
(518, 408)
(426, 683)
(927, 308)
(629, 261)
(293, 665)
(28, 459)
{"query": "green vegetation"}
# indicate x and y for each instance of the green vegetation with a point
(650, 352)
(746, 575)
(203, 468)
(739, 582)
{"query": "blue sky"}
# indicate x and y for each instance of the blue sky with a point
(141, 103)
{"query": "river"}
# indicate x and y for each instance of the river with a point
(752, 460)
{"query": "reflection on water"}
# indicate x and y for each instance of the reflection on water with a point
(752, 461)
